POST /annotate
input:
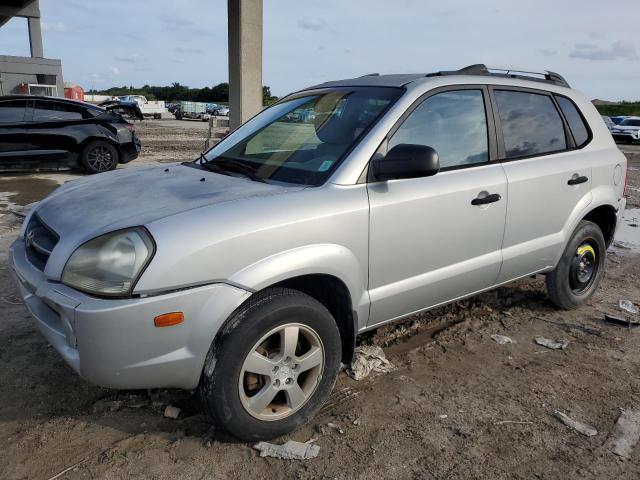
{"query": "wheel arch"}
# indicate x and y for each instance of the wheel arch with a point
(605, 217)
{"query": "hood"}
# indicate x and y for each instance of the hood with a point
(137, 196)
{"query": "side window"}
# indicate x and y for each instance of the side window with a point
(12, 111)
(530, 122)
(454, 123)
(54, 111)
(574, 119)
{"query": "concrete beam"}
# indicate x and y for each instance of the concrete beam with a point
(24, 8)
(35, 37)
(245, 59)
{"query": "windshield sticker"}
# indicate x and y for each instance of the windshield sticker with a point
(326, 165)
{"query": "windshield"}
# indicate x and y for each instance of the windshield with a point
(630, 122)
(302, 139)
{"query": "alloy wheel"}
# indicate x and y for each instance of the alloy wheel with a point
(281, 372)
(100, 158)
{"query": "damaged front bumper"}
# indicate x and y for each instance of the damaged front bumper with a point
(114, 342)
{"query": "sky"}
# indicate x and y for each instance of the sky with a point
(594, 44)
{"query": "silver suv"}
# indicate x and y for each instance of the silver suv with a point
(248, 273)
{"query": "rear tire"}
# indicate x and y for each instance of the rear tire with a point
(294, 341)
(99, 156)
(580, 269)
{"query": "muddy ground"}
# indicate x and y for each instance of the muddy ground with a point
(458, 406)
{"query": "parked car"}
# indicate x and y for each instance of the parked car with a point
(128, 109)
(53, 133)
(248, 273)
(608, 122)
(617, 119)
(627, 131)
(220, 111)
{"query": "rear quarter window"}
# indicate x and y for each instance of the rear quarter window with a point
(576, 122)
(531, 124)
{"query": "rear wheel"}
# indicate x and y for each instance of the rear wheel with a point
(273, 366)
(578, 274)
(99, 156)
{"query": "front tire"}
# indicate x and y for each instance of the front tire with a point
(581, 267)
(273, 366)
(99, 156)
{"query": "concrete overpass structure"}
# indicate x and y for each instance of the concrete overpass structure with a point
(34, 74)
(245, 56)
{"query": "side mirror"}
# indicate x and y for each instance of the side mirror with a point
(406, 161)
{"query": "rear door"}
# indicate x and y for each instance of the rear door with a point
(13, 132)
(55, 130)
(546, 174)
(429, 241)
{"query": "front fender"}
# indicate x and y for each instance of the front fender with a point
(328, 259)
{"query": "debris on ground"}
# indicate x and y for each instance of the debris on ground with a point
(626, 434)
(369, 358)
(171, 412)
(579, 427)
(625, 322)
(502, 339)
(21, 211)
(552, 344)
(290, 450)
(107, 405)
(336, 427)
(628, 307)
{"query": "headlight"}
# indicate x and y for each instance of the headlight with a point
(110, 264)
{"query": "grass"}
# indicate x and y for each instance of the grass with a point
(622, 108)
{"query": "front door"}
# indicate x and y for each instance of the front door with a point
(430, 242)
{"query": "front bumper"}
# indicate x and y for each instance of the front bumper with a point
(113, 342)
(625, 137)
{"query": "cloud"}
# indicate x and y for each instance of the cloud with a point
(311, 24)
(188, 50)
(175, 21)
(57, 27)
(618, 50)
(131, 58)
(547, 52)
(115, 70)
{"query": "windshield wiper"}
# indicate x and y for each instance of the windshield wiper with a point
(225, 165)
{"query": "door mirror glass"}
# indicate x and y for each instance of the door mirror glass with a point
(406, 161)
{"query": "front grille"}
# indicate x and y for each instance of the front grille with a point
(39, 241)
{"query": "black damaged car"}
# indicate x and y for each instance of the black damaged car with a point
(51, 133)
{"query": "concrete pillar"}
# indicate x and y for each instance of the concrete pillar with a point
(245, 59)
(35, 37)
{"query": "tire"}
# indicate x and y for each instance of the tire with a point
(233, 395)
(99, 156)
(580, 269)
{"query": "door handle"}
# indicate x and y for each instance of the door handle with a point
(577, 180)
(494, 197)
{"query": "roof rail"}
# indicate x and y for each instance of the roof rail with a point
(507, 72)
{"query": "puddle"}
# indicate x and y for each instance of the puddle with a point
(627, 241)
(23, 190)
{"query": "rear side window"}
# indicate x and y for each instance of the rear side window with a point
(531, 124)
(53, 111)
(12, 111)
(574, 119)
(454, 123)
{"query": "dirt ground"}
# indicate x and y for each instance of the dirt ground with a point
(458, 405)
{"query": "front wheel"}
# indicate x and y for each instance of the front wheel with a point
(273, 366)
(581, 267)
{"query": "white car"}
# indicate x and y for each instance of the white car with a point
(627, 131)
